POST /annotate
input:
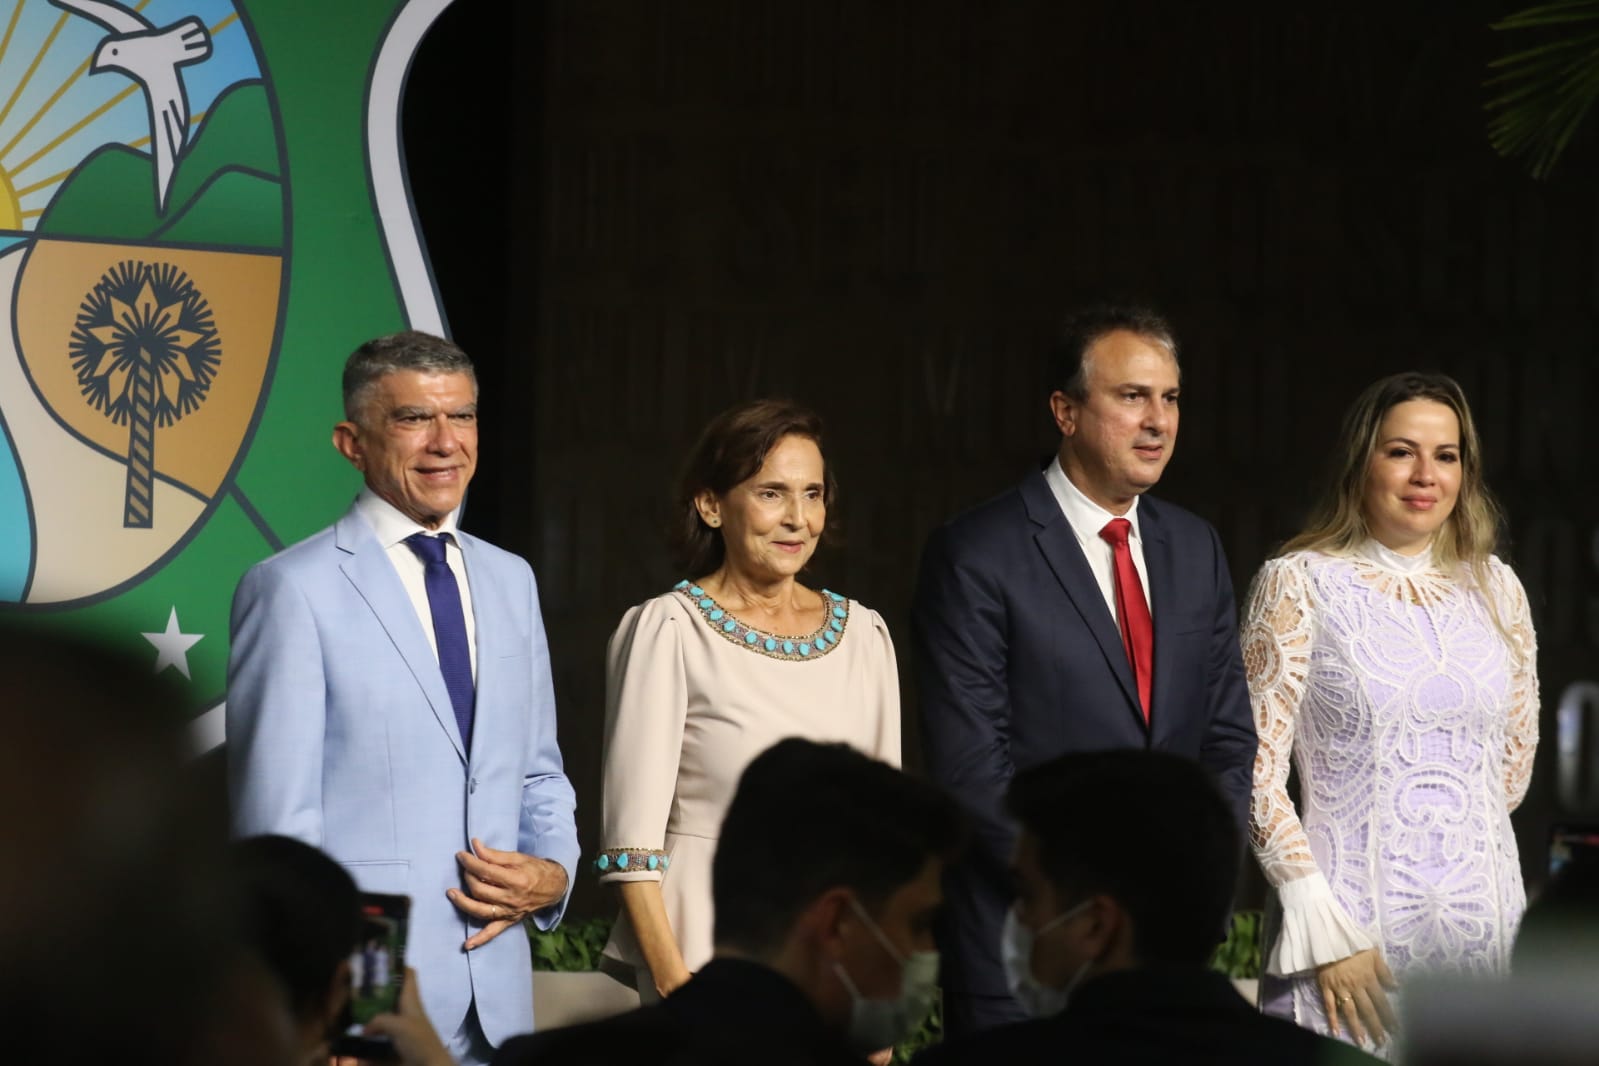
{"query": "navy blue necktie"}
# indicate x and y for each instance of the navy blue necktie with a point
(449, 626)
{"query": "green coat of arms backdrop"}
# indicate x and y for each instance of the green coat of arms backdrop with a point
(202, 211)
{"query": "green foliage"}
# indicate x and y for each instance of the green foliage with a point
(930, 1032)
(1544, 91)
(1239, 954)
(569, 947)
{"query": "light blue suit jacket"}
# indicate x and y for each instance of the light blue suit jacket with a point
(340, 733)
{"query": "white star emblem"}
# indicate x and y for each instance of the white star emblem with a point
(173, 645)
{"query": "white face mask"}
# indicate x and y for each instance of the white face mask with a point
(1016, 952)
(875, 1024)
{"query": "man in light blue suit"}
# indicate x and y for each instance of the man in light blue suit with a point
(390, 701)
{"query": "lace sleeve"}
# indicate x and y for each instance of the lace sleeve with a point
(1521, 729)
(1276, 646)
(1276, 660)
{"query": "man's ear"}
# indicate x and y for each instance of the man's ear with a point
(1106, 925)
(1063, 408)
(824, 920)
(347, 439)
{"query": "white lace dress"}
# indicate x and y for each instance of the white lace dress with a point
(1412, 724)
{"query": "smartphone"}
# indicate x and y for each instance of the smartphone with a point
(377, 971)
(1567, 842)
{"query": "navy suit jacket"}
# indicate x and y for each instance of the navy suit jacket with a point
(1158, 1016)
(1020, 660)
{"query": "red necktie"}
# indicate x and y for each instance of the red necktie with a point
(1132, 612)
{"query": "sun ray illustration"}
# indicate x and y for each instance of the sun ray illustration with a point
(55, 31)
(83, 68)
(74, 128)
(43, 139)
(11, 29)
(43, 183)
(41, 112)
(10, 173)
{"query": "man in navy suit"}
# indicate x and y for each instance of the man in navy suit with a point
(1074, 613)
(1110, 938)
(389, 700)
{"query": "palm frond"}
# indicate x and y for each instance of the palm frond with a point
(1563, 13)
(1546, 90)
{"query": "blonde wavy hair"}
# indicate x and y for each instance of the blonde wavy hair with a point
(1337, 522)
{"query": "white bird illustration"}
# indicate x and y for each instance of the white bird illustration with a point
(150, 57)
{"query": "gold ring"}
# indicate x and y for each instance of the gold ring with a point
(1346, 999)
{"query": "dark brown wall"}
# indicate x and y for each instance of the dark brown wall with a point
(882, 209)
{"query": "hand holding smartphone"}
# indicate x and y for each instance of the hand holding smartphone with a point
(377, 975)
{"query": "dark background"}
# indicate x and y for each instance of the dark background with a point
(639, 213)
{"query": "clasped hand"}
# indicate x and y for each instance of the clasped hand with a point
(1356, 989)
(504, 887)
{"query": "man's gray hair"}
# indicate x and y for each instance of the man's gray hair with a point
(408, 350)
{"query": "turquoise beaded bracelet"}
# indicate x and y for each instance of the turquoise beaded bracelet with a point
(630, 860)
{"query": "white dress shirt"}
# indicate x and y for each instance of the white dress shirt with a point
(392, 527)
(1087, 518)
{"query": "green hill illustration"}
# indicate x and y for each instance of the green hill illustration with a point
(227, 188)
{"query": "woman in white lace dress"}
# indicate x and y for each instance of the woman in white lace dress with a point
(1391, 659)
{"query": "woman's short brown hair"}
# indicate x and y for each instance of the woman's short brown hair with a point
(731, 450)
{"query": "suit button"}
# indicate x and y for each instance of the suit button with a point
(471, 786)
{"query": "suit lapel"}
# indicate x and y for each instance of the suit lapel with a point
(488, 605)
(368, 568)
(1162, 571)
(1064, 555)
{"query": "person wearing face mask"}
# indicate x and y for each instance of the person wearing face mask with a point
(1107, 943)
(1075, 612)
(826, 881)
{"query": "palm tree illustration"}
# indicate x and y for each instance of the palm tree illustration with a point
(146, 349)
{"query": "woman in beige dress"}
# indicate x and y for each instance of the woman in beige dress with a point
(736, 657)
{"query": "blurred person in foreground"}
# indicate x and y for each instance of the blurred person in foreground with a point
(1542, 1015)
(117, 941)
(1108, 941)
(301, 914)
(826, 881)
(1560, 931)
(1391, 659)
(701, 679)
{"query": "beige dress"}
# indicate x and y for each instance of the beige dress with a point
(692, 695)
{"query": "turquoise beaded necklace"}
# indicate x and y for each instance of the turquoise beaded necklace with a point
(793, 649)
